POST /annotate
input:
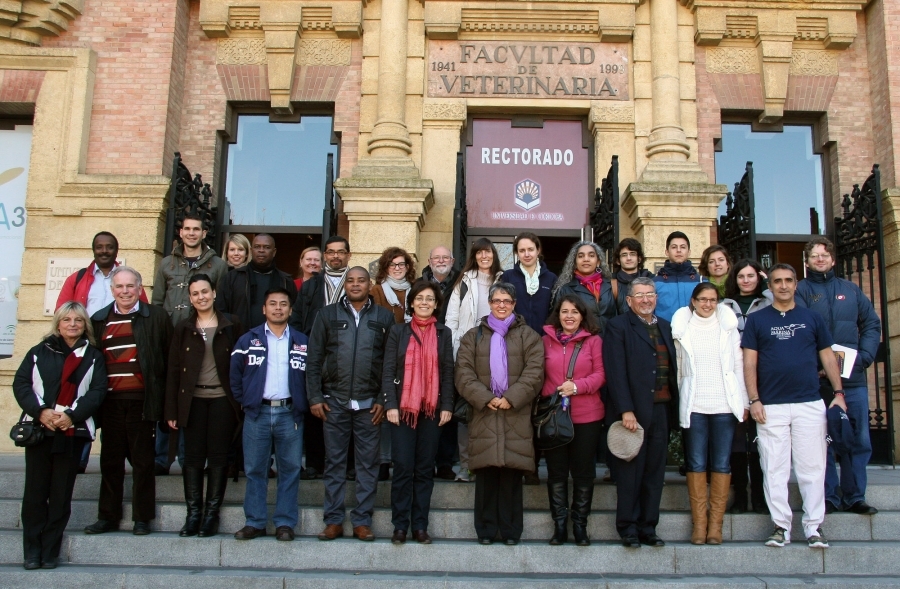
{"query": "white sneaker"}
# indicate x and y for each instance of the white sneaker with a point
(817, 540)
(465, 476)
(778, 538)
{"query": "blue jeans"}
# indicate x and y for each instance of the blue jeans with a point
(853, 465)
(272, 424)
(162, 448)
(710, 435)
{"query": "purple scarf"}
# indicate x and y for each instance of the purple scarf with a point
(499, 368)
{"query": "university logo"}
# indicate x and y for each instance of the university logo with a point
(528, 194)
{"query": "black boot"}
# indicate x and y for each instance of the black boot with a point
(757, 494)
(193, 497)
(215, 493)
(739, 480)
(559, 511)
(582, 495)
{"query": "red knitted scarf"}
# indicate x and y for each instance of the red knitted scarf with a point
(421, 374)
(593, 283)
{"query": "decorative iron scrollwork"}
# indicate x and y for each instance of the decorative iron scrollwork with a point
(460, 212)
(737, 227)
(329, 214)
(188, 196)
(605, 217)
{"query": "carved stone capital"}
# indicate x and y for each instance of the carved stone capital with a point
(607, 116)
(445, 111)
(29, 21)
(324, 52)
(227, 18)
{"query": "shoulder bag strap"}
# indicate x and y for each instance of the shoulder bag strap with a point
(571, 371)
(615, 288)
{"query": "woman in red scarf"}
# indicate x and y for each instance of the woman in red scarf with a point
(417, 389)
(61, 384)
(586, 275)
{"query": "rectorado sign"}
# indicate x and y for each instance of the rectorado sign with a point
(594, 71)
(532, 178)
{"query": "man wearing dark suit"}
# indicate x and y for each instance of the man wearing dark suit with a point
(639, 356)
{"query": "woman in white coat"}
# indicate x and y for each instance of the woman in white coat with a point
(712, 400)
(467, 307)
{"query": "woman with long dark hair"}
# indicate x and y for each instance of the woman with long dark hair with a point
(745, 292)
(60, 385)
(199, 400)
(572, 332)
(417, 387)
(585, 274)
(715, 267)
(467, 308)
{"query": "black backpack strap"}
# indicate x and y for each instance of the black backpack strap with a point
(80, 275)
(571, 371)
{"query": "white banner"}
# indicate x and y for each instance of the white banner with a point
(15, 153)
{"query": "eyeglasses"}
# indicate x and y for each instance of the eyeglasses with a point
(398, 265)
(336, 252)
(819, 256)
(421, 299)
(643, 295)
(707, 301)
(502, 302)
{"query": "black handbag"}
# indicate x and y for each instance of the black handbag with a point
(26, 433)
(552, 421)
(462, 409)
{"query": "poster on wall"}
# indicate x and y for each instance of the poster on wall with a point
(15, 153)
(527, 178)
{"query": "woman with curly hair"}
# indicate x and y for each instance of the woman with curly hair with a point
(586, 275)
(396, 273)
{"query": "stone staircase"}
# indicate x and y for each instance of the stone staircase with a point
(865, 549)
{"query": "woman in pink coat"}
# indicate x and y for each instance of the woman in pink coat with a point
(569, 324)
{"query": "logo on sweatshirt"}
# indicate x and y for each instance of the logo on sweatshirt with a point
(787, 331)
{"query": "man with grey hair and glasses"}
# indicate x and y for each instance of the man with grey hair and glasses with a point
(643, 388)
(134, 338)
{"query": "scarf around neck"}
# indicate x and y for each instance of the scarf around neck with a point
(499, 357)
(332, 292)
(389, 286)
(593, 283)
(421, 381)
(68, 388)
(532, 282)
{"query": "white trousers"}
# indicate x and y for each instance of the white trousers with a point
(794, 433)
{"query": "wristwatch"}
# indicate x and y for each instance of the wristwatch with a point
(839, 392)
(756, 400)
(574, 388)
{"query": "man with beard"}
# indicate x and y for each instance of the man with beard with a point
(349, 337)
(628, 264)
(242, 291)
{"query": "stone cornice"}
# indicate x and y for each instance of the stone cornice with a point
(234, 18)
(28, 22)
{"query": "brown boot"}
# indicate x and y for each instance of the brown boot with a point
(718, 498)
(696, 484)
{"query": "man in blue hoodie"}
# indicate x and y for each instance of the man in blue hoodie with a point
(676, 280)
(854, 324)
(268, 379)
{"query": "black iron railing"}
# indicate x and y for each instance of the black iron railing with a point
(188, 196)
(329, 214)
(460, 213)
(737, 227)
(605, 217)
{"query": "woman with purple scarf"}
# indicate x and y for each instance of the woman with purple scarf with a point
(500, 370)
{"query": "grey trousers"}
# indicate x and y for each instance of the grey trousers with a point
(342, 425)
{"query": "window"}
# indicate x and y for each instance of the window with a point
(787, 176)
(276, 171)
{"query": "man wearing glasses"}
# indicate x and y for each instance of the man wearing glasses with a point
(242, 291)
(853, 323)
(440, 271)
(639, 354)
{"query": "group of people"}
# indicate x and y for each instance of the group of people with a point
(241, 362)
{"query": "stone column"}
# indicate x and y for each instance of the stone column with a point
(667, 138)
(390, 138)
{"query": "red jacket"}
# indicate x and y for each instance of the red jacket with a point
(589, 375)
(79, 292)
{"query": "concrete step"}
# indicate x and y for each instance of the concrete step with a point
(458, 523)
(528, 558)
(447, 495)
(136, 577)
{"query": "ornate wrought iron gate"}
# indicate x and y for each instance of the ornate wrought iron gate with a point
(737, 227)
(460, 212)
(188, 196)
(329, 215)
(859, 241)
(605, 218)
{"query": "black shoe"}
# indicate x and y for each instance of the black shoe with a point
(101, 526)
(761, 509)
(631, 542)
(351, 474)
(50, 562)
(32, 564)
(652, 540)
(399, 537)
(830, 507)
(141, 528)
(160, 470)
(737, 509)
(531, 478)
(510, 541)
(193, 496)
(249, 533)
(309, 473)
(860, 507)
(485, 541)
(384, 473)
(445, 472)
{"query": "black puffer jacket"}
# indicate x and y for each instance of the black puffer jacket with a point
(310, 301)
(233, 294)
(345, 360)
(395, 363)
(37, 382)
(152, 335)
